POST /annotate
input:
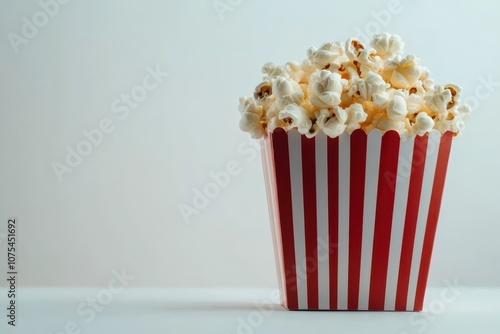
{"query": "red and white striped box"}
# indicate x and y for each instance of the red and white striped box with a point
(354, 217)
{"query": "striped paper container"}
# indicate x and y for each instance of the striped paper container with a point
(354, 217)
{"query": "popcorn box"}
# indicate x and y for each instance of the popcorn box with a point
(354, 217)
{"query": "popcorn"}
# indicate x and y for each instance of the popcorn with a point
(384, 123)
(404, 73)
(387, 46)
(332, 125)
(355, 115)
(414, 103)
(295, 71)
(451, 122)
(273, 71)
(244, 102)
(438, 99)
(325, 89)
(275, 123)
(428, 84)
(250, 120)
(286, 93)
(272, 111)
(380, 100)
(313, 131)
(396, 108)
(350, 69)
(353, 48)
(326, 54)
(455, 94)
(417, 89)
(423, 123)
(366, 87)
(369, 62)
(296, 117)
(343, 87)
(464, 111)
(263, 94)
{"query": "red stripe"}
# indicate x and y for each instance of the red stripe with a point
(356, 205)
(310, 219)
(412, 206)
(432, 217)
(383, 218)
(333, 216)
(282, 166)
(270, 179)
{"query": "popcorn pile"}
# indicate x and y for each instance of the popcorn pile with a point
(343, 88)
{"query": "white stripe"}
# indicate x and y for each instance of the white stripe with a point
(343, 232)
(273, 212)
(423, 210)
(322, 219)
(371, 185)
(294, 147)
(398, 220)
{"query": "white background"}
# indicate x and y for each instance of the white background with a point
(120, 207)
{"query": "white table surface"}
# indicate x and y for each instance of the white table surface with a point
(134, 310)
